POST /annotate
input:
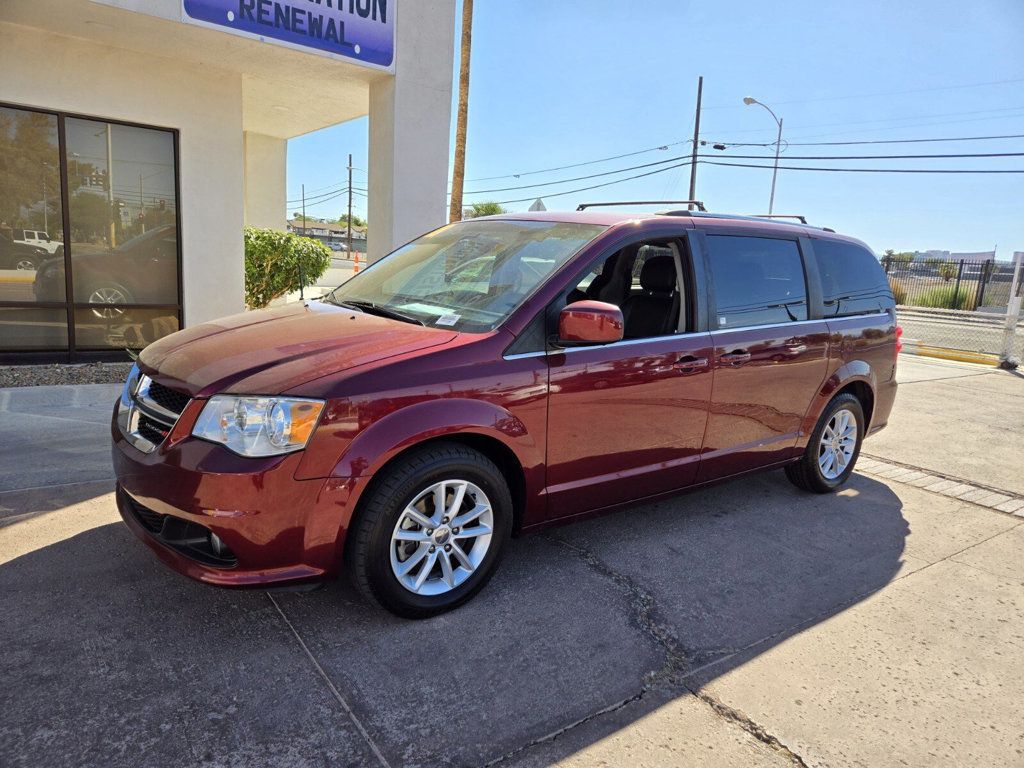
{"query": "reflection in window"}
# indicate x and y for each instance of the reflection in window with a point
(110, 327)
(123, 222)
(31, 229)
(26, 329)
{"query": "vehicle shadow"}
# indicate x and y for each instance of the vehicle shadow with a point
(110, 657)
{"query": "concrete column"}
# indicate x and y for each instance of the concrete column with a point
(410, 127)
(266, 159)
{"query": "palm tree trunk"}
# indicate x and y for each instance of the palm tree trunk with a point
(459, 171)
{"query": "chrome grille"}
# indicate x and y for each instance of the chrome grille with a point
(151, 413)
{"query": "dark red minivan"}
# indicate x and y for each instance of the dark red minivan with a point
(498, 376)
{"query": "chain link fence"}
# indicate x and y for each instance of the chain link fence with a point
(957, 304)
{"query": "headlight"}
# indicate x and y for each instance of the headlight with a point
(258, 426)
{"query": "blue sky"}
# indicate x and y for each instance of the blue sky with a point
(556, 83)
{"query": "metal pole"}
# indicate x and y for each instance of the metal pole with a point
(110, 187)
(142, 205)
(775, 171)
(696, 136)
(1009, 360)
(956, 290)
(302, 278)
(350, 206)
(46, 218)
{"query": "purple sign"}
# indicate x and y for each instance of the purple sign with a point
(361, 30)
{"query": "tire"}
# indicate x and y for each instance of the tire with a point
(26, 263)
(108, 293)
(377, 549)
(808, 473)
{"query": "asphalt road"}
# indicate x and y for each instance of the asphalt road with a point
(748, 624)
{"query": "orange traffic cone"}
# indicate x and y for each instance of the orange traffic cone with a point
(355, 267)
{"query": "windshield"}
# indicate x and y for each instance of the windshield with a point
(468, 276)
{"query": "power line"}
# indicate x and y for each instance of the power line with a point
(869, 141)
(581, 164)
(747, 157)
(742, 144)
(578, 178)
(598, 186)
(868, 170)
(326, 196)
(875, 157)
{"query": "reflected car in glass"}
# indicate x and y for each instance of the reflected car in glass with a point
(495, 377)
(142, 270)
(22, 256)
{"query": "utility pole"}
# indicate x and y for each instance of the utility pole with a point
(142, 205)
(110, 189)
(696, 137)
(459, 169)
(302, 278)
(350, 206)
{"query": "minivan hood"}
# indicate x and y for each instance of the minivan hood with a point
(270, 351)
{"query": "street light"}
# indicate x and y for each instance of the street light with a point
(748, 100)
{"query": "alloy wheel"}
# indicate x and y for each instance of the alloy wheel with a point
(441, 537)
(837, 444)
(108, 295)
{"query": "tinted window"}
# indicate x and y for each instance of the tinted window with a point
(757, 281)
(852, 280)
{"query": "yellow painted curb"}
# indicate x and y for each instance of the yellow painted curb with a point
(956, 355)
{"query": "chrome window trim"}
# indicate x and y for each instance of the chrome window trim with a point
(648, 339)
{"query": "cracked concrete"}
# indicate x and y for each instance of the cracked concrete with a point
(744, 625)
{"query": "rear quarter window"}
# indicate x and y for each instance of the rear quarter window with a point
(852, 280)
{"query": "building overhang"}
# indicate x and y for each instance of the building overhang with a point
(286, 92)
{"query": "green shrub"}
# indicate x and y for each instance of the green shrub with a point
(272, 264)
(947, 271)
(899, 293)
(943, 298)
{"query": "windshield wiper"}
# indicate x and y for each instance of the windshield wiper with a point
(378, 309)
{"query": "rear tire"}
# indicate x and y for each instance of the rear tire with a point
(832, 449)
(401, 530)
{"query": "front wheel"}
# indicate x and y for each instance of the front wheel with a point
(833, 449)
(432, 531)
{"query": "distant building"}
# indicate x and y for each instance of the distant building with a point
(329, 232)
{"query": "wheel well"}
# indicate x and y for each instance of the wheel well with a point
(493, 449)
(862, 392)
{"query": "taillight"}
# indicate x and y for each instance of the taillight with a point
(899, 336)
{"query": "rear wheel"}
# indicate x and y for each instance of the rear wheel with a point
(832, 451)
(431, 532)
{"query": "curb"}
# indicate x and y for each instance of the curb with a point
(915, 347)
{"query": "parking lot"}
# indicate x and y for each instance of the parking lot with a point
(746, 624)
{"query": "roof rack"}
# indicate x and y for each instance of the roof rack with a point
(797, 216)
(698, 203)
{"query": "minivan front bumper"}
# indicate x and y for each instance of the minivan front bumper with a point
(270, 528)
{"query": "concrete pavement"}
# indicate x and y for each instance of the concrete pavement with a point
(748, 624)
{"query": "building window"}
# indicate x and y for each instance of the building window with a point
(89, 250)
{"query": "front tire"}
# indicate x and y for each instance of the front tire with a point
(833, 448)
(431, 532)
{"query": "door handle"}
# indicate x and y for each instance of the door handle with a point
(736, 357)
(690, 364)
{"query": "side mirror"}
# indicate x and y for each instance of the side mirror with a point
(589, 322)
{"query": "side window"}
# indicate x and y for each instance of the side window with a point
(757, 280)
(642, 280)
(852, 280)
